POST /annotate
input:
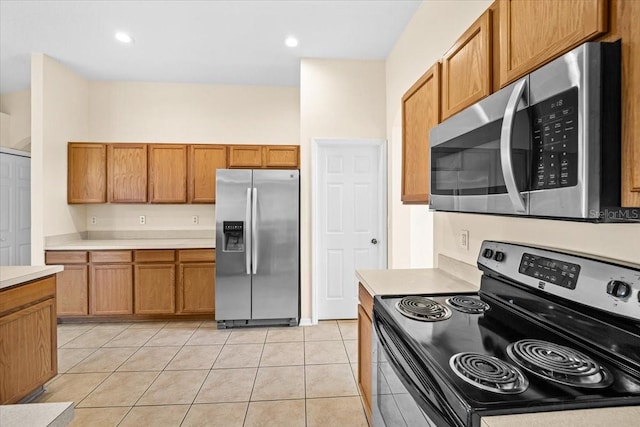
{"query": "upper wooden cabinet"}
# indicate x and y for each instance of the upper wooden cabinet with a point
(127, 170)
(420, 112)
(627, 14)
(281, 156)
(245, 156)
(203, 162)
(86, 173)
(168, 173)
(162, 173)
(466, 68)
(534, 32)
(264, 156)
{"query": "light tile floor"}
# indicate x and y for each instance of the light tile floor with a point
(192, 374)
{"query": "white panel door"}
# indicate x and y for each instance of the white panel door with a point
(350, 222)
(15, 206)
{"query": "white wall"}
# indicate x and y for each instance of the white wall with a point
(16, 126)
(431, 32)
(60, 113)
(184, 113)
(338, 99)
(178, 112)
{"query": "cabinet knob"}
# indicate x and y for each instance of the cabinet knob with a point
(374, 241)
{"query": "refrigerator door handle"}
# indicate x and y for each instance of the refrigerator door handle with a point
(254, 231)
(247, 238)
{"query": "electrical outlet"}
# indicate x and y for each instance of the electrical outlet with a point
(195, 220)
(463, 239)
(143, 220)
(94, 220)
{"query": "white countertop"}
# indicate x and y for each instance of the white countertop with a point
(597, 417)
(36, 415)
(14, 275)
(96, 245)
(412, 281)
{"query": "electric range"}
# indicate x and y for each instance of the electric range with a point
(547, 331)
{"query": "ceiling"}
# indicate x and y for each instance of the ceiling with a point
(214, 42)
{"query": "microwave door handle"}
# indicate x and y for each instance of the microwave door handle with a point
(247, 237)
(506, 137)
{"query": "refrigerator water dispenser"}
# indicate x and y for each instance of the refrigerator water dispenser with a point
(233, 236)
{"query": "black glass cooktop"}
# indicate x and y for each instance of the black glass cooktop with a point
(489, 333)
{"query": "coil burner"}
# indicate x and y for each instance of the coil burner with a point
(423, 308)
(559, 363)
(467, 304)
(489, 373)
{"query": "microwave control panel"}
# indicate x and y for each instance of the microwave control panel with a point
(555, 141)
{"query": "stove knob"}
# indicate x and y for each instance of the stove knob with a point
(499, 256)
(488, 253)
(619, 289)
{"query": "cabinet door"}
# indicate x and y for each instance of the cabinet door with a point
(629, 31)
(282, 156)
(196, 292)
(534, 32)
(127, 167)
(111, 289)
(72, 296)
(86, 173)
(168, 173)
(364, 358)
(420, 112)
(28, 349)
(155, 288)
(245, 156)
(203, 162)
(466, 68)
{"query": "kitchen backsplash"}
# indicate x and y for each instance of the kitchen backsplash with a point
(157, 218)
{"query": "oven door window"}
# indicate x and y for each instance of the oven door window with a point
(469, 165)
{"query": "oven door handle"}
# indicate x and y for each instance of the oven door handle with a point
(446, 417)
(506, 139)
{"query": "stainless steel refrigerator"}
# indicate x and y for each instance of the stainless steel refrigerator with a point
(257, 247)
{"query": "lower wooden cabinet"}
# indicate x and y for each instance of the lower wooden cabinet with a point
(196, 290)
(73, 291)
(111, 289)
(155, 288)
(135, 284)
(365, 310)
(72, 283)
(197, 281)
(28, 338)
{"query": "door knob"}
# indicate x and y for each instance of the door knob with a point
(374, 241)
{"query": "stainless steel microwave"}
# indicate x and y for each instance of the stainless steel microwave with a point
(547, 145)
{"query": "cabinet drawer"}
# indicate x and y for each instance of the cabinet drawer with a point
(155, 255)
(23, 295)
(65, 257)
(366, 300)
(110, 256)
(191, 255)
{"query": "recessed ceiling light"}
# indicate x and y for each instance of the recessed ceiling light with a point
(123, 37)
(291, 41)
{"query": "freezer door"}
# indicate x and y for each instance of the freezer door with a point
(233, 245)
(276, 279)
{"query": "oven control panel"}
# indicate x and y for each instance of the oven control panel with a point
(554, 271)
(603, 284)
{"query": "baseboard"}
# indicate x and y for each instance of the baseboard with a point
(306, 322)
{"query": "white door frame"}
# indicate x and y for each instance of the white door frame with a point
(316, 143)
